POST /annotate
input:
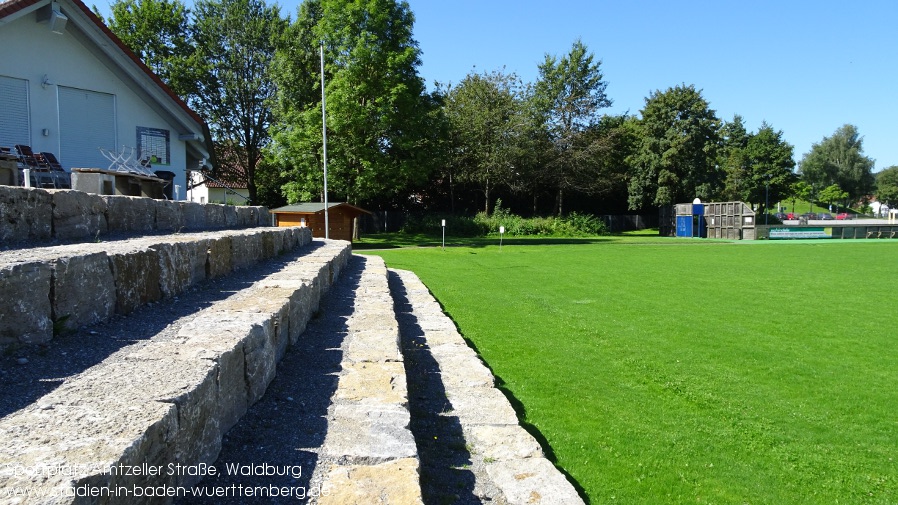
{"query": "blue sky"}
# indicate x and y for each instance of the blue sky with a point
(806, 67)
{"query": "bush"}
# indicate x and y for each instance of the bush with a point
(573, 225)
(457, 226)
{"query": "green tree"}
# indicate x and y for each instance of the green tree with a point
(840, 160)
(485, 118)
(887, 186)
(676, 154)
(235, 43)
(833, 194)
(571, 92)
(770, 164)
(159, 33)
(733, 159)
(382, 125)
(801, 190)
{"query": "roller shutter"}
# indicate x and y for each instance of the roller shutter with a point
(15, 124)
(86, 123)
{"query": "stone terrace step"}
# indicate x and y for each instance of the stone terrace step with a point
(371, 450)
(57, 288)
(34, 215)
(337, 410)
(507, 463)
(117, 427)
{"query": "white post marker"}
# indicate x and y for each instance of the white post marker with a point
(444, 234)
(501, 234)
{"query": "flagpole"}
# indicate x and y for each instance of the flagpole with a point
(324, 137)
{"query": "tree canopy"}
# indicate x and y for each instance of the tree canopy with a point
(159, 32)
(569, 93)
(839, 159)
(675, 157)
(255, 77)
(485, 116)
(236, 40)
(887, 186)
(380, 119)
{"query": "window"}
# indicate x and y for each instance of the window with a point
(153, 144)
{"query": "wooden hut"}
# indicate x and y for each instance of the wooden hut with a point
(340, 218)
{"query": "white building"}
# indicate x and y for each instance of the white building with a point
(224, 188)
(69, 86)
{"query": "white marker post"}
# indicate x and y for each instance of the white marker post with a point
(444, 234)
(501, 234)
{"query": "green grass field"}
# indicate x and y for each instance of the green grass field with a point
(688, 371)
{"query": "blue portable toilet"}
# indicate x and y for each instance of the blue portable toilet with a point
(684, 226)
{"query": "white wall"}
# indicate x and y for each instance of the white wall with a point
(29, 50)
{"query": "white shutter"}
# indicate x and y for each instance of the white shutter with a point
(15, 126)
(86, 123)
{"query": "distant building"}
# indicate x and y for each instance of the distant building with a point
(229, 188)
(340, 218)
(69, 86)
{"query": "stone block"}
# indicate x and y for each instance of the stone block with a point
(83, 290)
(480, 405)
(273, 302)
(25, 314)
(368, 434)
(218, 257)
(502, 443)
(78, 215)
(374, 346)
(86, 436)
(176, 267)
(394, 482)
(194, 215)
(215, 216)
(136, 275)
(264, 216)
(25, 214)
(246, 216)
(230, 216)
(271, 244)
(130, 213)
(372, 384)
(246, 250)
(220, 338)
(258, 348)
(532, 480)
(169, 216)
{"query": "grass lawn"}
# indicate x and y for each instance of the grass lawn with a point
(684, 371)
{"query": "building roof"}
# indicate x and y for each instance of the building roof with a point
(317, 207)
(232, 179)
(12, 9)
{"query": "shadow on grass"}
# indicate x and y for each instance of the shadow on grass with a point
(398, 241)
(521, 412)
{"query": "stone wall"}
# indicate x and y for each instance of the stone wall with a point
(170, 401)
(33, 215)
(52, 289)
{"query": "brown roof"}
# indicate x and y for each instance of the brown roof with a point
(234, 178)
(10, 7)
(316, 208)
